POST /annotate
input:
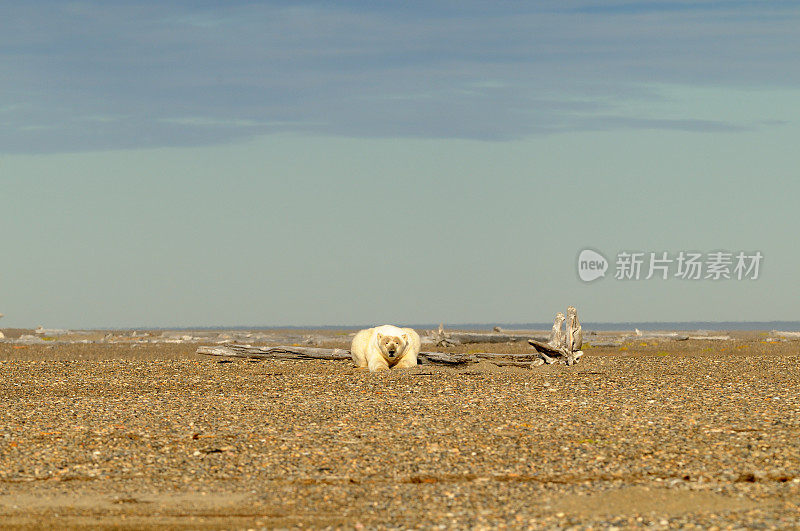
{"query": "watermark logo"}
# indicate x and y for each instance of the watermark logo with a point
(591, 265)
(685, 265)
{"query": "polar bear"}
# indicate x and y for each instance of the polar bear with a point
(385, 346)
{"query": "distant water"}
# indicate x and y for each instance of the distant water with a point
(679, 325)
(652, 325)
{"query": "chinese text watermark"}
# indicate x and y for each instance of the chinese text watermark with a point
(684, 265)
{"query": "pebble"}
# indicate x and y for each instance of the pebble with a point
(97, 432)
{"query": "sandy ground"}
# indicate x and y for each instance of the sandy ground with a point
(661, 434)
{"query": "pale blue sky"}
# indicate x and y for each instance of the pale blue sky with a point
(290, 163)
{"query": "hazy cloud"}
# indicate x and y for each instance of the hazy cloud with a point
(98, 75)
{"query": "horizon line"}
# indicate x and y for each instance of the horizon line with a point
(599, 325)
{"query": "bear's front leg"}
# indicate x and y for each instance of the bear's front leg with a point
(406, 363)
(378, 365)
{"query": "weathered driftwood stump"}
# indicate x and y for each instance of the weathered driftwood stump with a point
(561, 346)
(440, 338)
(574, 339)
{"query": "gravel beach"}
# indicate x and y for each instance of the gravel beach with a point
(658, 434)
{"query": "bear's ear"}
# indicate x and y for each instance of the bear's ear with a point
(405, 338)
(380, 336)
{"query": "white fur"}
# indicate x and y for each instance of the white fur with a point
(367, 351)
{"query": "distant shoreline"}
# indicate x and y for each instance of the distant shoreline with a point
(588, 326)
(645, 325)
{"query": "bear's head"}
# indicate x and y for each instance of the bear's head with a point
(392, 347)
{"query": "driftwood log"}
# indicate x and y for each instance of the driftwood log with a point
(560, 348)
(281, 352)
(313, 353)
(308, 353)
(675, 336)
(441, 338)
(786, 335)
